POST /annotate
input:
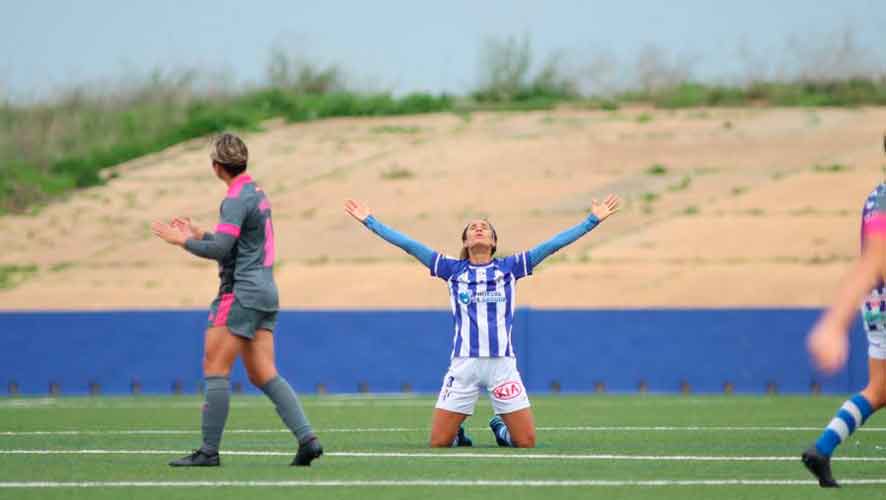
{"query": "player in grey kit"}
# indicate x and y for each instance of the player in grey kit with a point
(243, 316)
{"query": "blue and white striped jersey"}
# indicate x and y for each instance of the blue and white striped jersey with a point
(482, 300)
(482, 297)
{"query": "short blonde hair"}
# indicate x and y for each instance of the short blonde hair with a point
(229, 150)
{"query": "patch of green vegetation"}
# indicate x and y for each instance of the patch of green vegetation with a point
(699, 115)
(831, 169)
(396, 172)
(739, 190)
(807, 210)
(682, 185)
(61, 266)
(395, 129)
(602, 104)
(691, 210)
(845, 93)
(319, 260)
(705, 170)
(657, 169)
(12, 275)
(812, 119)
(649, 197)
(755, 212)
(643, 118)
(466, 115)
(50, 149)
(819, 260)
(506, 78)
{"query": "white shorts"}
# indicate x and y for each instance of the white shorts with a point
(873, 316)
(466, 376)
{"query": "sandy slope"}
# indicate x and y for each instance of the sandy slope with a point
(741, 218)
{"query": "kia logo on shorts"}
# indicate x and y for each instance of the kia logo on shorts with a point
(508, 390)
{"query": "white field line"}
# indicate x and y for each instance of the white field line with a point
(174, 432)
(430, 482)
(455, 455)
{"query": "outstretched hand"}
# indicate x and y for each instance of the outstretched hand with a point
(185, 225)
(169, 233)
(357, 210)
(610, 205)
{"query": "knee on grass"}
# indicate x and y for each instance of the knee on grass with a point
(441, 441)
(526, 441)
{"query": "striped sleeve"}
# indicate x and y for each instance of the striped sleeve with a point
(443, 266)
(520, 265)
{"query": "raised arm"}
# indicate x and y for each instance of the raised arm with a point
(599, 212)
(362, 213)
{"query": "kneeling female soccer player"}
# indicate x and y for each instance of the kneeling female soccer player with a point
(482, 291)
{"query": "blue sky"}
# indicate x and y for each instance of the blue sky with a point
(406, 45)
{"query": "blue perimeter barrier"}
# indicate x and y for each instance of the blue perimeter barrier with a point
(664, 350)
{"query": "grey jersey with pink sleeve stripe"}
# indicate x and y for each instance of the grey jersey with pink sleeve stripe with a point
(243, 245)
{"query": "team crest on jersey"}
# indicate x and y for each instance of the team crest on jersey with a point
(464, 297)
(507, 390)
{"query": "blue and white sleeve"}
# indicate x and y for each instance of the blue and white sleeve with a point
(544, 250)
(518, 264)
(421, 252)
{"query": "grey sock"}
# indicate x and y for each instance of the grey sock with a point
(215, 412)
(280, 392)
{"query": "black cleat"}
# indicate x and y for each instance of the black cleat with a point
(820, 467)
(307, 452)
(461, 439)
(197, 459)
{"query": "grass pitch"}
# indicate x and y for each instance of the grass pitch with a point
(589, 446)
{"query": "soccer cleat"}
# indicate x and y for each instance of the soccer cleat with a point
(820, 467)
(496, 424)
(307, 452)
(197, 459)
(461, 439)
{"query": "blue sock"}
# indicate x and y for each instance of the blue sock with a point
(852, 415)
(505, 435)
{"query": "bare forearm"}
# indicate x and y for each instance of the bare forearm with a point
(864, 276)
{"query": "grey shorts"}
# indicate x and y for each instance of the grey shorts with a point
(242, 321)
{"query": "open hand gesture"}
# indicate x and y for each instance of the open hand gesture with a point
(357, 210)
(169, 233)
(185, 225)
(610, 205)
